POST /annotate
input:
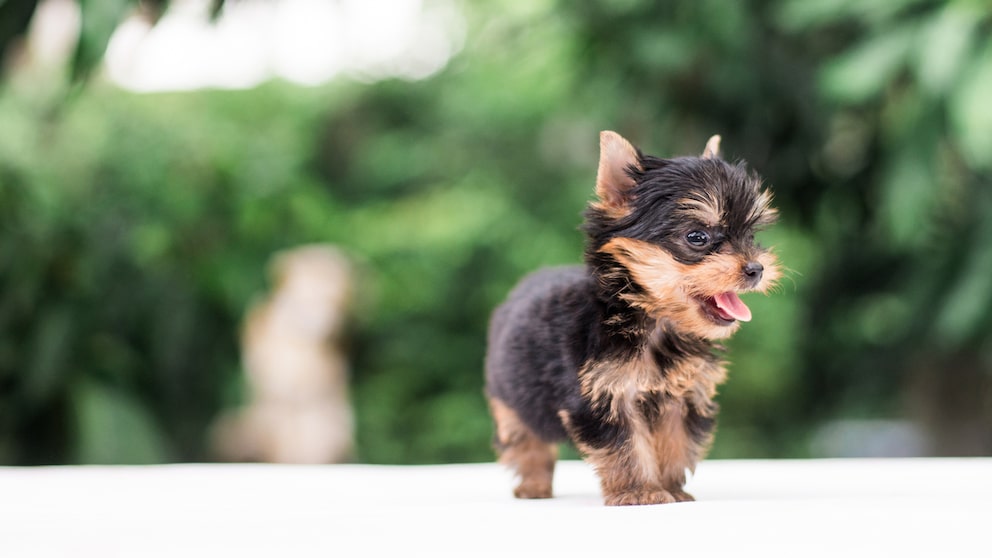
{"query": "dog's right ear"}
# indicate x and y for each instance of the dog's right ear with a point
(712, 149)
(617, 157)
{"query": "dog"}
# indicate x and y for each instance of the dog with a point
(621, 356)
(296, 370)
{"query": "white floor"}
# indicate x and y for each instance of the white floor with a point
(905, 507)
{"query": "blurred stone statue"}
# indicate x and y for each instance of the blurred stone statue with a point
(298, 408)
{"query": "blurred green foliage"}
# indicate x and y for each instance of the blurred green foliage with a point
(135, 229)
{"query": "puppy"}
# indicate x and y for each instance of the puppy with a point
(619, 356)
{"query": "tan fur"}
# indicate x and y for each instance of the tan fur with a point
(696, 376)
(521, 449)
(763, 214)
(674, 450)
(671, 286)
(712, 149)
(707, 210)
(619, 382)
(650, 468)
(616, 154)
(616, 381)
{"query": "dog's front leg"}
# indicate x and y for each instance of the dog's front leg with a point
(623, 452)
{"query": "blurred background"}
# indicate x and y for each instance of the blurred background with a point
(167, 168)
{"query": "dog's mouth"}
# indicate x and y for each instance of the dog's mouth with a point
(725, 308)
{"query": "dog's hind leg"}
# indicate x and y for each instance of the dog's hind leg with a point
(521, 449)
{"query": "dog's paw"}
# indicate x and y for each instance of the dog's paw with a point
(641, 498)
(531, 491)
(682, 496)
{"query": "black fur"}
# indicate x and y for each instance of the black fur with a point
(538, 339)
(700, 422)
(656, 215)
(552, 323)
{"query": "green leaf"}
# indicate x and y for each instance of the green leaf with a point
(799, 15)
(98, 22)
(944, 46)
(970, 297)
(50, 353)
(864, 71)
(113, 428)
(971, 111)
(908, 193)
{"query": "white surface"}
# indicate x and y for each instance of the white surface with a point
(911, 507)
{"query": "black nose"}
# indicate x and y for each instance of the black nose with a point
(753, 270)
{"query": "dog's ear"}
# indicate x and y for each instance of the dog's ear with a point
(617, 157)
(712, 150)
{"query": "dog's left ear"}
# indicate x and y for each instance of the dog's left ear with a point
(712, 150)
(617, 157)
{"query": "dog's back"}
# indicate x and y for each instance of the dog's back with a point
(538, 339)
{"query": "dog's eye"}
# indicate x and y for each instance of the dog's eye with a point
(698, 238)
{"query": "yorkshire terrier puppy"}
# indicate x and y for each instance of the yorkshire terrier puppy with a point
(620, 356)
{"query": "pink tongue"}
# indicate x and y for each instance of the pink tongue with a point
(733, 306)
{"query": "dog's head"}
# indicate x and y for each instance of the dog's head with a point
(675, 237)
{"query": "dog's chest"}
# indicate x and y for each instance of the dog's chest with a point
(643, 387)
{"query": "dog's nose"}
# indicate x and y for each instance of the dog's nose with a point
(753, 271)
